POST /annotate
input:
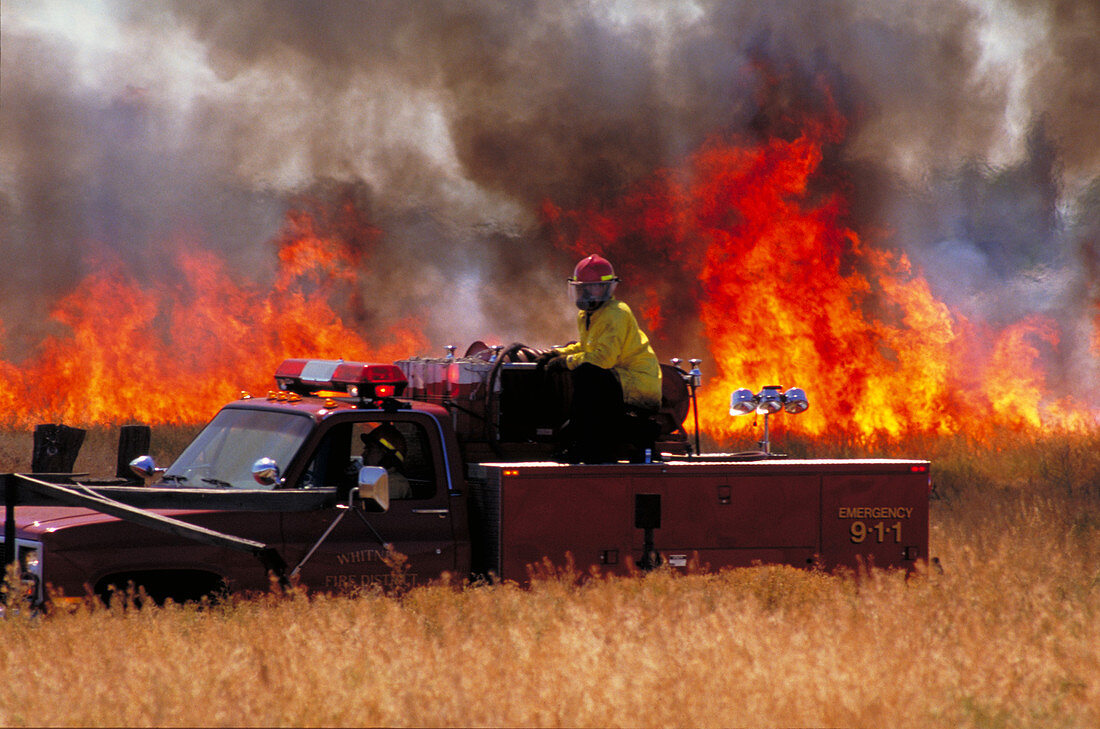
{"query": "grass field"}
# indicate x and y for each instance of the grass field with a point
(1008, 635)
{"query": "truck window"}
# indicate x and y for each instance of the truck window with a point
(221, 456)
(402, 448)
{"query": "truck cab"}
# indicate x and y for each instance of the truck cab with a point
(313, 447)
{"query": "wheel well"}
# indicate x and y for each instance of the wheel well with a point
(179, 585)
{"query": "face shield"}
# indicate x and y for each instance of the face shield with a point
(589, 296)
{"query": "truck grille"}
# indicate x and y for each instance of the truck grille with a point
(29, 559)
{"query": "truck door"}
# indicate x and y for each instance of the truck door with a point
(731, 519)
(418, 523)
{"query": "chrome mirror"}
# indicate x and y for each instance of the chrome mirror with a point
(265, 471)
(145, 468)
(374, 488)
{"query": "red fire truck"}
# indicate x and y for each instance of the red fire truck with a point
(276, 487)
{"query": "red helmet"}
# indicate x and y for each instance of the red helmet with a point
(593, 269)
(593, 282)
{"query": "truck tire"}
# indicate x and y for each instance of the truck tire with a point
(180, 586)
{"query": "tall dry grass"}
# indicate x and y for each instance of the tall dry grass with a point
(99, 453)
(1008, 635)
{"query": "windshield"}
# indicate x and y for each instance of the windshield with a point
(223, 453)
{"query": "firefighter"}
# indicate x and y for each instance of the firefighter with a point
(612, 366)
(385, 446)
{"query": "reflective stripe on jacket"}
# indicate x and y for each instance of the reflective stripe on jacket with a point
(610, 338)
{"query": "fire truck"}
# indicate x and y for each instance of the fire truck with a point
(277, 487)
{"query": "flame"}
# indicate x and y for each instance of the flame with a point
(788, 295)
(174, 353)
(743, 250)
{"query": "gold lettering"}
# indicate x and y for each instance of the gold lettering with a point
(361, 555)
(342, 582)
(858, 531)
(874, 512)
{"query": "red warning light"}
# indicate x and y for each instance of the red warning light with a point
(358, 379)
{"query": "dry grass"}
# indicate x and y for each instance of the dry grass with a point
(99, 452)
(1007, 636)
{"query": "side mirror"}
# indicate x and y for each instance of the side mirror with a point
(145, 468)
(265, 471)
(374, 488)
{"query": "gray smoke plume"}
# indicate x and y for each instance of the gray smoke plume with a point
(971, 145)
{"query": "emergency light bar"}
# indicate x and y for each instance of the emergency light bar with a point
(358, 379)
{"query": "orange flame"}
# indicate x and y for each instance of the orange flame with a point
(175, 353)
(744, 251)
(788, 295)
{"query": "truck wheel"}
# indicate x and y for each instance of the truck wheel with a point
(179, 585)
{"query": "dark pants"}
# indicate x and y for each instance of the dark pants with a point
(596, 410)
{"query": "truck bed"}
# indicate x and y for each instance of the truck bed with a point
(711, 511)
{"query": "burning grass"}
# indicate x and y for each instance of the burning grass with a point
(1006, 635)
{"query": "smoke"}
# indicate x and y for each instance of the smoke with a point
(971, 141)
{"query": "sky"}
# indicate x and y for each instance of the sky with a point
(971, 142)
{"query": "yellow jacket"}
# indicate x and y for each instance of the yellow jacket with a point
(611, 339)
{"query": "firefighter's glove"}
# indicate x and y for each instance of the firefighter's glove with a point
(556, 363)
(544, 358)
